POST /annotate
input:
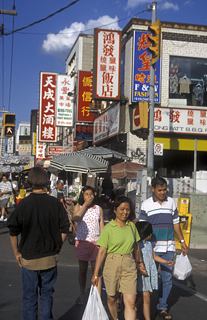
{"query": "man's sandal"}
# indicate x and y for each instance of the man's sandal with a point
(165, 315)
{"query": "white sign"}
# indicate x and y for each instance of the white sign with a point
(158, 149)
(64, 101)
(107, 84)
(107, 124)
(40, 150)
(180, 120)
(10, 145)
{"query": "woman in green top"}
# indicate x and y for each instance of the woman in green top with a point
(118, 242)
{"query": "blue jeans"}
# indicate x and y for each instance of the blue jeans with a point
(166, 279)
(44, 280)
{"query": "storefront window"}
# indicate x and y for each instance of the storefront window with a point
(188, 80)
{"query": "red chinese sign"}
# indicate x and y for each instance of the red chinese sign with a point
(85, 84)
(107, 82)
(47, 126)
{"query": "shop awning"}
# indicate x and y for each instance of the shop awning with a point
(79, 162)
(126, 170)
(105, 153)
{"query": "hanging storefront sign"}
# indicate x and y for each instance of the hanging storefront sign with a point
(84, 132)
(84, 105)
(141, 69)
(187, 121)
(10, 145)
(107, 124)
(54, 150)
(40, 150)
(64, 101)
(34, 143)
(47, 110)
(107, 65)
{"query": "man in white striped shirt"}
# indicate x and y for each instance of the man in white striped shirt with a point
(160, 210)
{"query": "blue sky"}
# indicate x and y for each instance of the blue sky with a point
(45, 46)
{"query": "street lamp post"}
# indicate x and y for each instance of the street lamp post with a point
(150, 149)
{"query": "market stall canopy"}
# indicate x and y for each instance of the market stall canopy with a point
(15, 164)
(79, 162)
(105, 153)
(125, 169)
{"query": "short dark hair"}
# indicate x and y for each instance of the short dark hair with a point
(38, 178)
(4, 175)
(118, 201)
(81, 198)
(144, 229)
(158, 181)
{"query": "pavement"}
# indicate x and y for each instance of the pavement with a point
(188, 300)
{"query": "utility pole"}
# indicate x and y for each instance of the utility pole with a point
(150, 149)
(7, 12)
(11, 13)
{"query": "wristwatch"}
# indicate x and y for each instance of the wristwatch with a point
(182, 241)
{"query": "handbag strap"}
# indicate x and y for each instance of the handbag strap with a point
(133, 232)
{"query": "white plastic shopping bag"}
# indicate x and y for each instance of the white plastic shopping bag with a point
(94, 309)
(182, 267)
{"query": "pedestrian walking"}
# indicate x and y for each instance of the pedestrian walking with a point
(89, 222)
(148, 282)
(42, 224)
(5, 193)
(160, 210)
(117, 242)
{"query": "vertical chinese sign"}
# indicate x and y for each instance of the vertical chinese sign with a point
(47, 125)
(107, 65)
(64, 101)
(85, 86)
(141, 69)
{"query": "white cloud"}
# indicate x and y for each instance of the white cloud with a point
(167, 5)
(164, 5)
(64, 39)
(136, 3)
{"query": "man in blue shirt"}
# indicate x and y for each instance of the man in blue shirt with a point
(160, 210)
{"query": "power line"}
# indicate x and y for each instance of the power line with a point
(43, 19)
(11, 61)
(85, 30)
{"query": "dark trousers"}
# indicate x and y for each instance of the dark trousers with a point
(38, 283)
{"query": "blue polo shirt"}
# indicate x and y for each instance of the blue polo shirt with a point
(162, 217)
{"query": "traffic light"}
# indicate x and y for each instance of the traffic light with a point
(9, 131)
(9, 120)
(154, 38)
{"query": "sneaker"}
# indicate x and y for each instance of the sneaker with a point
(5, 219)
(2, 218)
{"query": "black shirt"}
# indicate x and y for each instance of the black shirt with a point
(39, 219)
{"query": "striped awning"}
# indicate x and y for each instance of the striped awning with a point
(105, 153)
(79, 162)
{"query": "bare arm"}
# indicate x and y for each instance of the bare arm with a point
(79, 211)
(163, 261)
(14, 245)
(64, 236)
(99, 261)
(179, 234)
(101, 224)
(139, 259)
